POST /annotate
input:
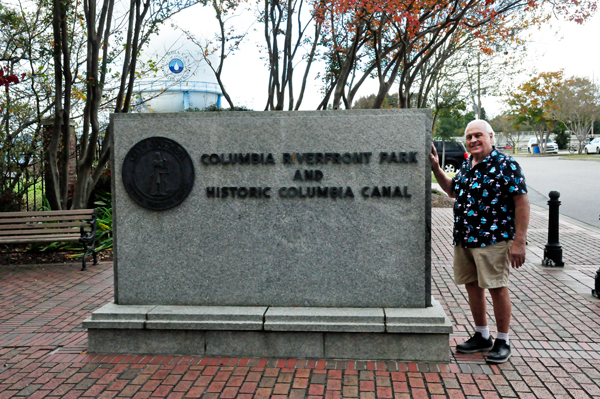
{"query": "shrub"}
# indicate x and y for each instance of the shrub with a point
(11, 202)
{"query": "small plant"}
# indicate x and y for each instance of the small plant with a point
(104, 238)
(45, 206)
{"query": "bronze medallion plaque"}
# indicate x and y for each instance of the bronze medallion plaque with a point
(158, 173)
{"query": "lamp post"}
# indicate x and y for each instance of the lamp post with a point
(475, 92)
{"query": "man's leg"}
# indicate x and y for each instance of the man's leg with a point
(502, 308)
(477, 303)
(501, 352)
(465, 272)
(481, 340)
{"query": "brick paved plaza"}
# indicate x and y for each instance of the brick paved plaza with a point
(555, 337)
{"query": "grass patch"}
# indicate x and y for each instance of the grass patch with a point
(590, 157)
(434, 180)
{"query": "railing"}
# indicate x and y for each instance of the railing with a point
(26, 173)
(160, 85)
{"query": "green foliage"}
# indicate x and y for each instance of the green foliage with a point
(561, 136)
(45, 204)
(470, 116)
(532, 101)
(450, 121)
(216, 108)
(390, 101)
(104, 237)
(23, 38)
(434, 180)
(104, 225)
(503, 124)
(448, 126)
(575, 102)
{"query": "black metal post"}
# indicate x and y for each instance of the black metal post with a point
(553, 249)
(596, 290)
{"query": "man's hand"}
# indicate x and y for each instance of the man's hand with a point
(434, 158)
(517, 254)
(443, 180)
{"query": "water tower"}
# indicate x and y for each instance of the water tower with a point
(182, 81)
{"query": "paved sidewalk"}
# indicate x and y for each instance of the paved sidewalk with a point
(555, 337)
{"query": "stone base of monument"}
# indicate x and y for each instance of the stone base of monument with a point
(416, 334)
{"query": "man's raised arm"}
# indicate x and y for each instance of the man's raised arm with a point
(443, 180)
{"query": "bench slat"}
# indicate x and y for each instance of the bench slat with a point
(40, 219)
(40, 238)
(39, 226)
(49, 227)
(48, 213)
(17, 233)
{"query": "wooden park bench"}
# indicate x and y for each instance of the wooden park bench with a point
(51, 226)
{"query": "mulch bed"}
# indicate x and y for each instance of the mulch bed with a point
(441, 200)
(19, 256)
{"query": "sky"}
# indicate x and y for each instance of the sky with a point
(561, 45)
(569, 46)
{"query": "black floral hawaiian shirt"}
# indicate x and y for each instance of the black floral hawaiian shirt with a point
(484, 210)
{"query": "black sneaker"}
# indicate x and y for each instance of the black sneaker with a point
(475, 344)
(499, 353)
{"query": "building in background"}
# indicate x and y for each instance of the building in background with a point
(177, 80)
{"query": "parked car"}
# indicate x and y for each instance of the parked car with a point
(455, 155)
(592, 146)
(551, 147)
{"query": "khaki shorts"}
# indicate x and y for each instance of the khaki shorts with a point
(489, 266)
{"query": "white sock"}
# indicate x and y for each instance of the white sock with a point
(503, 336)
(485, 331)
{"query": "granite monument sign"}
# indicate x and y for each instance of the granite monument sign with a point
(303, 234)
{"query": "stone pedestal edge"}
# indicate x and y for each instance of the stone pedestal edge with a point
(326, 333)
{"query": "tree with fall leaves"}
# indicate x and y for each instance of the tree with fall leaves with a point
(504, 125)
(576, 103)
(395, 40)
(532, 103)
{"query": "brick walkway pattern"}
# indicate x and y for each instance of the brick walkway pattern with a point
(555, 337)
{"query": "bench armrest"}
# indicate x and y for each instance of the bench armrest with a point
(90, 237)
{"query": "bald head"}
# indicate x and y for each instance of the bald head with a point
(479, 137)
(481, 125)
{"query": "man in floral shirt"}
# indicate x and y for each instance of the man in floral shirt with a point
(491, 215)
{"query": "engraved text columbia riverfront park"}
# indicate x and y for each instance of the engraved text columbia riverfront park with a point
(308, 175)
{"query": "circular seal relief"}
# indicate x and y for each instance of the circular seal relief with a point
(158, 173)
(176, 65)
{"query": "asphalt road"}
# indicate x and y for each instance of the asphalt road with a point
(577, 181)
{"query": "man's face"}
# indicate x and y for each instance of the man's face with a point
(479, 142)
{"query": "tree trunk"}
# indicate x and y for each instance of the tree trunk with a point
(52, 179)
(348, 63)
(219, 70)
(308, 65)
(384, 86)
